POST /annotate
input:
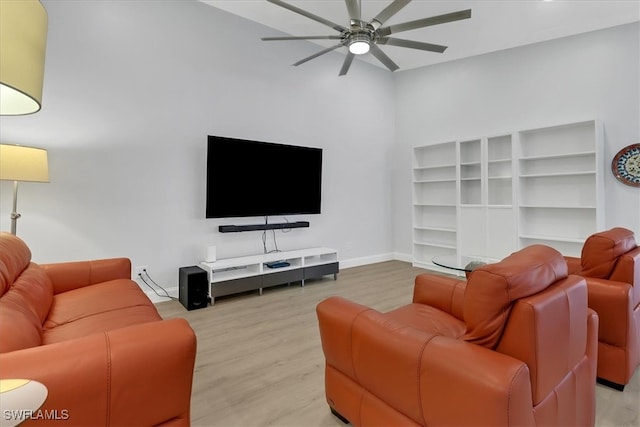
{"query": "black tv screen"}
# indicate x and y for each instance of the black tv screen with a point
(252, 178)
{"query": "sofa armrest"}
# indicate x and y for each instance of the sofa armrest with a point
(613, 302)
(466, 384)
(138, 375)
(422, 375)
(66, 276)
(441, 292)
(335, 315)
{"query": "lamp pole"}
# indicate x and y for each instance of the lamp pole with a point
(14, 214)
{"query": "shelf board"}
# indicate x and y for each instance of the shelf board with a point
(445, 229)
(445, 166)
(435, 245)
(555, 207)
(550, 175)
(553, 238)
(559, 156)
(500, 177)
(499, 161)
(437, 205)
(432, 181)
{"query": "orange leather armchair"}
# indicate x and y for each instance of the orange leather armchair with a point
(515, 345)
(610, 263)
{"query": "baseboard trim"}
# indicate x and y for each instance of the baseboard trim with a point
(391, 256)
(403, 257)
(357, 262)
(157, 298)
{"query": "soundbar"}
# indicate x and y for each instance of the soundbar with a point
(256, 227)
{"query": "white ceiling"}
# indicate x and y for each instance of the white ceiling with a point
(494, 24)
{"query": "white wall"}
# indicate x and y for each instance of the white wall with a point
(590, 76)
(132, 89)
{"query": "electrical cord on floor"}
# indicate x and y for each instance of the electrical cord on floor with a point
(166, 294)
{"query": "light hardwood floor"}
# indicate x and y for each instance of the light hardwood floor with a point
(260, 363)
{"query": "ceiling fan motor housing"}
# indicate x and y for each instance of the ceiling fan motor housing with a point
(359, 38)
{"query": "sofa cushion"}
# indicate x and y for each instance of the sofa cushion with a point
(19, 328)
(67, 276)
(15, 256)
(97, 308)
(23, 307)
(4, 279)
(492, 289)
(600, 251)
(101, 322)
(35, 291)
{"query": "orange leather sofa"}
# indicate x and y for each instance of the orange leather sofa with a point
(515, 345)
(610, 262)
(96, 342)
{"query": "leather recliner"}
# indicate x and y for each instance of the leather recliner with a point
(514, 345)
(610, 263)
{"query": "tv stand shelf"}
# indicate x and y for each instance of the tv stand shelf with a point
(234, 275)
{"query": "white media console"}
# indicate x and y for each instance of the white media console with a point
(248, 273)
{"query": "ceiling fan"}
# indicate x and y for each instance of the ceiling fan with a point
(361, 36)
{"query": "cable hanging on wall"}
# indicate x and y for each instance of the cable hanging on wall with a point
(273, 230)
(166, 293)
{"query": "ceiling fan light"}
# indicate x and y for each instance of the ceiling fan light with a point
(359, 47)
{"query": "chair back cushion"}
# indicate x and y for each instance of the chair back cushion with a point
(627, 270)
(601, 251)
(548, 331)
(492, 289)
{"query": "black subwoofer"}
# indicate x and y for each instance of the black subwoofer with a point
(193, 287)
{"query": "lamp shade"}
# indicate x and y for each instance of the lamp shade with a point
(23, 38)
(19, 163)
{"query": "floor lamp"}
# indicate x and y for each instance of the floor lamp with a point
(23, 39)
(19, 163)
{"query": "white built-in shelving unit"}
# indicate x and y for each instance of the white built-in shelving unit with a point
(491, 195)
(561, 185)
(435, 189)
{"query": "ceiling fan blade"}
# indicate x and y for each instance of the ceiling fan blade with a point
(353, 6)
(346, 64)
(267, 39)
(309, 15)
(315, 55)
(421, 23)
(388, 12)
(382, 57)
(412, 44)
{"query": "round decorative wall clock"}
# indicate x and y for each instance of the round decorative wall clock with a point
(626, 165)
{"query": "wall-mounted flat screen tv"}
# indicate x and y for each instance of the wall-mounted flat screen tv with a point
(253, 178)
